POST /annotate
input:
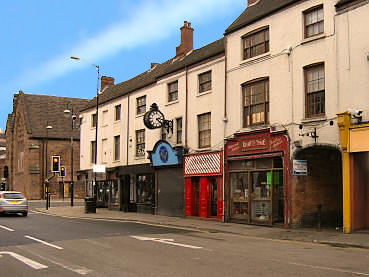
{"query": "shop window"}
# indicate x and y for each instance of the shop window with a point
(239, 196)
(263, 163)
(314, 21)
(315, 90)
(255, 43)
(144, 189)
(242, 165)
(261, 196)
(255, 102)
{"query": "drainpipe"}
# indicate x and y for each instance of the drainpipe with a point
(128, 128)
(224, 127)
(186, 111)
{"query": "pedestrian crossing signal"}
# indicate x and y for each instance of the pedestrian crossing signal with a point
(63, 171)
(55, 164)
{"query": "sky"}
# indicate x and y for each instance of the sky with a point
(123, 37)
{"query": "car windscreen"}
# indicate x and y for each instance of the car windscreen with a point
(13, 196)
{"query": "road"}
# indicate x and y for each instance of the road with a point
(42, 245)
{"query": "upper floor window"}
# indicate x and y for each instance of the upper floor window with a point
(116, 148)
(118, 109)
(141, 104)
(93, 152)
(93, 120)
(255, 43)
(315, 90)
(314, 21)
(173, 91)
(255, 102)
(179, 130)
(204, 121)
(205, 81)
(105, 118)
(163, 133)
(140, 143)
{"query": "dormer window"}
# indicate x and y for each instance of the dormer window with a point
(255, 43)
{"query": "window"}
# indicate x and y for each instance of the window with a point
(104, 152)
(315, 90)
(163, 133)
(255, 102)
(20, 156)
(256, 43)
(93, 120)
(117, 112)
(140, 143)
(141, 105)
(173, 91)
(204, 130)
(179, 130)
(116, 148)
(205, 82)
(105, 118)
(145, 188)
(314, 22)
(93, 149)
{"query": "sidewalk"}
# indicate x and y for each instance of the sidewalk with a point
(330, 237)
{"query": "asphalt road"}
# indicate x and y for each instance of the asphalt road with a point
(55, 246)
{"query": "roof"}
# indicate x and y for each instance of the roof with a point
(258, 11)
(149, 77)
(341, 3)
(41, 110)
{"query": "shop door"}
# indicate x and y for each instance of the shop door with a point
(213, 191)
(240, 196)
(261, 197)
(278, 197)
(195, 182)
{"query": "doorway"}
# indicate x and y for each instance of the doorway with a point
(213, 196)
(195, 195)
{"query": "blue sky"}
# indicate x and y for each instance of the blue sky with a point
(122, 36)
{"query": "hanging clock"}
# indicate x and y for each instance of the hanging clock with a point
(154, 118)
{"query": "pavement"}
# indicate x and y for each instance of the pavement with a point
(331, 237)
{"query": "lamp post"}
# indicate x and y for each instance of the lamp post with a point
(69, 113)
(97, 111)
(47, 187)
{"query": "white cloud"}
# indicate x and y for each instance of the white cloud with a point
(151, 20)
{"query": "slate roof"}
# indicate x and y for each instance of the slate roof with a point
(258, 11)
(340, 3)
(41, 110)
(151, 76)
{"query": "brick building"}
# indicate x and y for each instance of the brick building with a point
(3, 165)
(28, 142)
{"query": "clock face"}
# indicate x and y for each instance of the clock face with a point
(154, 119)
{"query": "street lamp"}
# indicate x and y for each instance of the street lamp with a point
(97, 109)
(47, 187)
(67, 114)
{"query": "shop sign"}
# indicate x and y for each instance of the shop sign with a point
(203, 164)
(300, 168)
(164, 155)
(254, 144)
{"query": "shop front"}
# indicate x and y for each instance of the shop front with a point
(257, 170)
(204, 185)
(168, 166)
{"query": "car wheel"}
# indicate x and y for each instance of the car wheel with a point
(25, 213)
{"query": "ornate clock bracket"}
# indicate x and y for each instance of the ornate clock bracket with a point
(167, 124)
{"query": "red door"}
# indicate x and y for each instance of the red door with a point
(204, 197)
(188, 184)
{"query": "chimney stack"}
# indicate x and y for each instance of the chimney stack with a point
(251, 2)
(106, 82)
(154, 65)
(186, 40)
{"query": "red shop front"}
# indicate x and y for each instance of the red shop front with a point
(257, 178)
(204, 185)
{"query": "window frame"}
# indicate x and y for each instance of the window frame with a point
(201, 83)
(251, 34)
(92, 152)
(140, 143)
(116, 148)
(172, 92)
(118, 112)
(308, 113)
(139, 106)
(310, 11)
(265, 102)
(201, 132)
(179, 130)
(93, 120)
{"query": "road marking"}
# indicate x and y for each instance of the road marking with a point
(44, 242)
(322, 267)
(25, 260)
(6, 228)
(166, 241)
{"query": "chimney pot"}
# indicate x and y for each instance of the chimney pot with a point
(251, 2)
(106, 82)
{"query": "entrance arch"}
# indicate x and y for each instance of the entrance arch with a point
(317, 197)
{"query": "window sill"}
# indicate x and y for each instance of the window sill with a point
(117, 121)
(137, 158)
(171, 103)
(92, 128)
(203, 93)
(314, 119)
(313, 38)
(140, 115)
(255, 58)
(116, 161)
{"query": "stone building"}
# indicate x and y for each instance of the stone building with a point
(3, 165)
(30, 145)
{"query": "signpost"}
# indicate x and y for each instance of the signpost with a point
(300, 168)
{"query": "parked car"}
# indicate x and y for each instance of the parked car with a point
(13, 202)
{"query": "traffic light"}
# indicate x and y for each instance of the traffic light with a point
(55, 164)
(63, 171)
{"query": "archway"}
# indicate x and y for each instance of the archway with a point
(317, 197)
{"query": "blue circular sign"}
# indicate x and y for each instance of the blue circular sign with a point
(163, 153)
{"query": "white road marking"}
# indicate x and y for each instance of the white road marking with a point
(6, 228)
(322, 267)
(44, 242)
(25, 260)
(166, 241)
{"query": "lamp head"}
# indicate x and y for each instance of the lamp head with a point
(75, 58)
(49, 127)
(67, 113)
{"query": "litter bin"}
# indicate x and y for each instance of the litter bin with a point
(90, 205)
